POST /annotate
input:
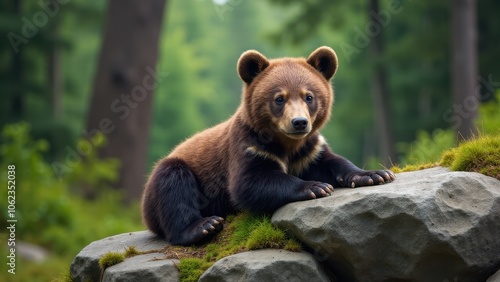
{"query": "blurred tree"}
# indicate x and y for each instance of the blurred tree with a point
(31, 65)
(380, 88)
(14, 95)
(54, 65)
(488, 46)
(123, 86)
(464, 67)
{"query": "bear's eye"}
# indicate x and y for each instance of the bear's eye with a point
(279, 100)
(309, 98)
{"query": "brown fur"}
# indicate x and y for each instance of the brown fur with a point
(267, 154)
(208, 152)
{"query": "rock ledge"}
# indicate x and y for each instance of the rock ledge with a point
(428, 225)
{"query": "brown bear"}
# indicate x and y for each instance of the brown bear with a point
(268, 154)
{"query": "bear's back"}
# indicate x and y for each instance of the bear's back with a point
(207, 154)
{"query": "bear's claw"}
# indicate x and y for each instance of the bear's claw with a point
(210, 225)
(369, 178)
(318, 189)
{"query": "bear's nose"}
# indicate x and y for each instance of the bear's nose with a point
(299, 123)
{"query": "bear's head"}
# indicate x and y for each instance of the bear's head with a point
(292, 97)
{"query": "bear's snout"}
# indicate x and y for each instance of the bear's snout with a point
(300, 123)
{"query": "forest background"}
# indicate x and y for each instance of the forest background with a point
(414, 78)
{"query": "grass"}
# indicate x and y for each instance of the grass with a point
(131, 251)
(110, 259)
(480, 155)
(242, 232)
(407, 168)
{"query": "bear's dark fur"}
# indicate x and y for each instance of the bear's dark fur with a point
(268, 154)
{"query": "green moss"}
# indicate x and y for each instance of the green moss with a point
(292, 245)
(131, 251)
(67, 277)
(447, 157)
(190, 269)
(110, 259)
(241, 233)
(479, 155)
(265, 235)
(407, 168)
(241, 226)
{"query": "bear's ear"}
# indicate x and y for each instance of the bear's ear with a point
(324, 60)
(250, 64)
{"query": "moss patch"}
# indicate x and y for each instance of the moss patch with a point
(190, 269)
(479, 155)
(242, 232)
(110, 259)
(407, 168)
(131, 251)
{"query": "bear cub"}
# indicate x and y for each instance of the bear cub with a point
(268, 154)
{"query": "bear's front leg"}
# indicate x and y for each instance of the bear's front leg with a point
(260, 185)
(340, 172)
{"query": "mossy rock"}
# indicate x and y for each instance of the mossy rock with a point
(243, 232)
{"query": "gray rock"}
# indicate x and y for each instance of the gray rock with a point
(495, 277)
(266, 265)
(31, 252)
(429, 225)
(85, 266)
(148, 267)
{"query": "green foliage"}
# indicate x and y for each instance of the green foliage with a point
(489, 116)
(41, 200)
(90, 172)
(50, 212)
(58, 51)
(427, 148)
(481, 154)
(110, 259)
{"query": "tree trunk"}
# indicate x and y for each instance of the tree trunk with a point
(17, 102)
(54, 70)
(121, 101)
(464, 67)
(380, 91)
